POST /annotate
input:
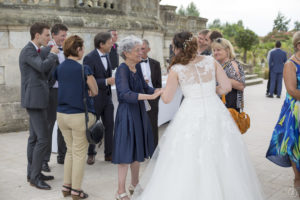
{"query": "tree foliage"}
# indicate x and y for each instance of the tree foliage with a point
(297, 26)
(246, 39)
(191, 10)
(281, 23)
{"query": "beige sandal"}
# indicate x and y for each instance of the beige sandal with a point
(121, 196)
(131, 189)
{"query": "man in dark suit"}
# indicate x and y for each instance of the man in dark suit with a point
(152, 74)
(113, 54)
(277, 59)
(35, 98)
(99, 63)
(59, 34)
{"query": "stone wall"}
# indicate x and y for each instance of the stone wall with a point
(144, 18)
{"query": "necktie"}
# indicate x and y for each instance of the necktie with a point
(145, 61)
(39, 50)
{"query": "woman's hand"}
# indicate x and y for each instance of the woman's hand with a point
(156, 94)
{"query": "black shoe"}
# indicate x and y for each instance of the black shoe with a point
(45, 167)
(46, 178)
(270, 96)
(40, 184)
(267, 94)
(60, 160)
(278, 97)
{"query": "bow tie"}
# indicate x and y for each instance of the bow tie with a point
(38, 50)
(103, 56)
(145, 61)
(60, 48)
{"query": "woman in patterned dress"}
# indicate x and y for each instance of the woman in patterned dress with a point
(224, 54)
(284, 149)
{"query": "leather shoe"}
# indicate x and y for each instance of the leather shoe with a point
(278, 97)
(108, 158)
(42, 177)
(46, 178)
(270, 96)
(45, 167)
(60, 160)
(40, 184)
(91, 160)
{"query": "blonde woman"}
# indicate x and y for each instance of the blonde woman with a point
(223, 52)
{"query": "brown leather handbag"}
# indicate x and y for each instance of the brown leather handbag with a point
(242, 119)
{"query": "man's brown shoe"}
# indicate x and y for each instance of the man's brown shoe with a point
(108, 158)
(90, 160)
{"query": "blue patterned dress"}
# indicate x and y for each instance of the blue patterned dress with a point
(284, 146)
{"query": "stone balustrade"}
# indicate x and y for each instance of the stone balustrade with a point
(29, 2)
(106, 4)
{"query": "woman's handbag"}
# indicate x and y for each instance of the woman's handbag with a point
(242, 119)
(95, 133)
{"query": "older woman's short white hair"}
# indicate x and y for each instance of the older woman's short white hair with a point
(127, 44)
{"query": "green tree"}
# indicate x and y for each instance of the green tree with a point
(297, 26)
(246, 39)
(230, 30)
(216, 24)
(181, 11)
(192, 10)
(281, 23)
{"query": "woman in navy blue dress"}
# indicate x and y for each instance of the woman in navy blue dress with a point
(133, 138)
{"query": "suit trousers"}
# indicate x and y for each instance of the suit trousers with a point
(153, 116)
(106, 113)
(74, 132)
(51, 116)
(38, 142)
(276, 82)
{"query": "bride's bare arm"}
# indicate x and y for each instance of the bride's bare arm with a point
(171, 87)
(224, 83)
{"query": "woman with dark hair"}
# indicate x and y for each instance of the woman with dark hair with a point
(71, 113)
(201, 154)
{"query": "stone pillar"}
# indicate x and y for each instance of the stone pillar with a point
(125, 6)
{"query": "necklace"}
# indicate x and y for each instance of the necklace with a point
(297, 58)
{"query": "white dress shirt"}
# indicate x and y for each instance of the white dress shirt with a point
(147, 72)
(61, 57)
(103, 59)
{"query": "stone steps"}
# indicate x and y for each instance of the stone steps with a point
(254, 81)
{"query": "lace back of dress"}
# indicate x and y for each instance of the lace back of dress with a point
(197, 77)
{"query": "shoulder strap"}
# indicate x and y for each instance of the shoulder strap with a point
(84, 98)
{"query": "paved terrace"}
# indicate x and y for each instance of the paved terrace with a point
(101, 178)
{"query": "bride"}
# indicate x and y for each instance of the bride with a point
(201, 155)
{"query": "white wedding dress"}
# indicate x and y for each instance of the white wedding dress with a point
(201, 155)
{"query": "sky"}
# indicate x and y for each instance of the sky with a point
(257, 15)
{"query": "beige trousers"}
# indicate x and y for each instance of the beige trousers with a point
(73, 129)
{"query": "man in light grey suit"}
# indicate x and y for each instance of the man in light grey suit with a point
(35, 97)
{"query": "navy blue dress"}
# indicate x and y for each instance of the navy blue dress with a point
(133, 138)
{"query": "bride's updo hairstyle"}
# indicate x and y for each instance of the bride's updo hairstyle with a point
(187, 46)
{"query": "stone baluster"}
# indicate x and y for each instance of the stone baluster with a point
(95, 3)
(30, 2)
(109, 4)
(7, 2)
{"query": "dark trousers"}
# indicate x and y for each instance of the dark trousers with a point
(153, 116)
(276, 82)
(106, 112)
(51, 116)
(268, 85)
(38, 142)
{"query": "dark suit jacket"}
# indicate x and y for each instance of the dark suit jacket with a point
(277, 59)
(44, 53)
(93, 60)
(156, 81)
(34, 70)
(114, 57)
